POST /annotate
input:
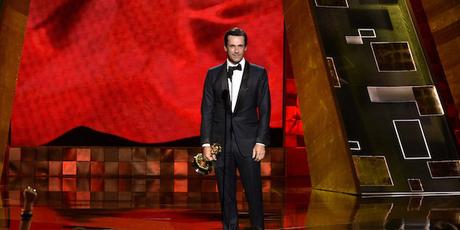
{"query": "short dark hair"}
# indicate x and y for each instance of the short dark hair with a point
(236, 32)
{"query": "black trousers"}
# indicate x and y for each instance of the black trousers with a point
(227, 163)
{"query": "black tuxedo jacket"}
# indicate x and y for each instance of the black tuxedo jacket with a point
(250, 120)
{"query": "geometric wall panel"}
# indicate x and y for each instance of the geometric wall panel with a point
(363, 33)
(390, 94)
(354, 145)
(425, 97)
(387, 90)
(444, 169)
(332, 3)
(367, 33)
(372, 171)
(428, 103)
(415, 185)
(393, 56)
(354, 40)
(411, 139)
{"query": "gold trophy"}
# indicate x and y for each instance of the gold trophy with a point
(202, 166)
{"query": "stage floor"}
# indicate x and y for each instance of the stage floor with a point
(289, 204)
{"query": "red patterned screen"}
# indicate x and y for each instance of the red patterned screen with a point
(134, 69)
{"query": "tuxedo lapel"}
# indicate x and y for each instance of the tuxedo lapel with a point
(243, 87)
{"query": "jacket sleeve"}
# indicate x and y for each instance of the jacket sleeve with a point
(264, 107)
(207, 107)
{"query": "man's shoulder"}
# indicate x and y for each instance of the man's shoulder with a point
(256, 67)
(215, 68)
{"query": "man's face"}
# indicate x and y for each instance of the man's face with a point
(235, 48)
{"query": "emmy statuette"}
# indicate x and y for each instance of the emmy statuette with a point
(202, 166)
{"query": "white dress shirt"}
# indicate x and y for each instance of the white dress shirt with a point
(235, 83)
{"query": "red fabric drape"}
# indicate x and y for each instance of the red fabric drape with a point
(134, 69)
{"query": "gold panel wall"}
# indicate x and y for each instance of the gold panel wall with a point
(329, 159)
(13, 18)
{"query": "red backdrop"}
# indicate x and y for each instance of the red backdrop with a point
(134, 69)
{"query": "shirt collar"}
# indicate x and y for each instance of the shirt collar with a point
(242, 62)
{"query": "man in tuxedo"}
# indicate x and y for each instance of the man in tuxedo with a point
(235, 113)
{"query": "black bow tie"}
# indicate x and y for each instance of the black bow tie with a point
(231, 69)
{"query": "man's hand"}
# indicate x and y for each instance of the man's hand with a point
(207, 154)
(258, 152)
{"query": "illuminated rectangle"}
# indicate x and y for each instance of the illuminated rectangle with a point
(428, 103)
(444, 169)
(392, 94)
(354, 145)
(355, 40)
(425, 97)
(367, 33)
(372, 170)
(411, 139)
(393, 56)
(332, 3)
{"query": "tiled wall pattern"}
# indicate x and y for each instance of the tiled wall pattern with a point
(133, 177)
(118, 162)
(75, 192)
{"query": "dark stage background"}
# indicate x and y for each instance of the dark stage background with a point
(133, 70)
